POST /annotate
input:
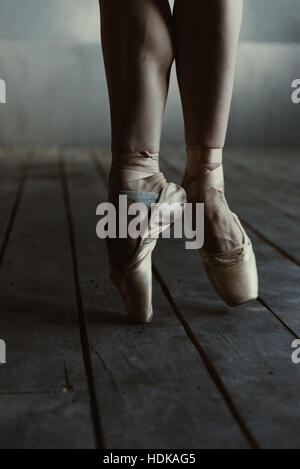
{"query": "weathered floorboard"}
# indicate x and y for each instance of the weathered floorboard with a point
(271, 173)
(13, 164)
(205, 377)
(152, 386)
(43, 382)
(248, 345)
(269, 221)
(278, 276)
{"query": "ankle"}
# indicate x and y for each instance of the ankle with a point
(201, 161)
(131, 163)
(135, 171)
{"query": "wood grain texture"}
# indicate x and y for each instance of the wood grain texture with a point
(45, 421)
(153, 389)
(201, 375)
(272, 175)
(39, 320)
(269, 217)
(279, 276)
(248, 345)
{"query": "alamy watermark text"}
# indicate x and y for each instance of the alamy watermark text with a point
(2, 352)
(138, 220)
(2, 92)
(296, 353)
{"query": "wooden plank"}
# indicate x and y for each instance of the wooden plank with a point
(271, 172)
(39, 322)
(38, 421)
(248, 345)
(279, 277)
(279, 229)
(12, 175)
(153, 388)
(279, 284)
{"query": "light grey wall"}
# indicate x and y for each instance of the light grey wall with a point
(51, 60)
(271, 21)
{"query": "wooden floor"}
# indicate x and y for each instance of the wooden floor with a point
(201, 375)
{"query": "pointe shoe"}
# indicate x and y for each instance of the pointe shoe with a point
(232, 273)
(134, 281)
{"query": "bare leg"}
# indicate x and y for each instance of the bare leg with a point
(207, 34)
(138, 53)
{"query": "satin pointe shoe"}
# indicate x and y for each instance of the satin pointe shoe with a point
(233, 272)
(137, 176)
